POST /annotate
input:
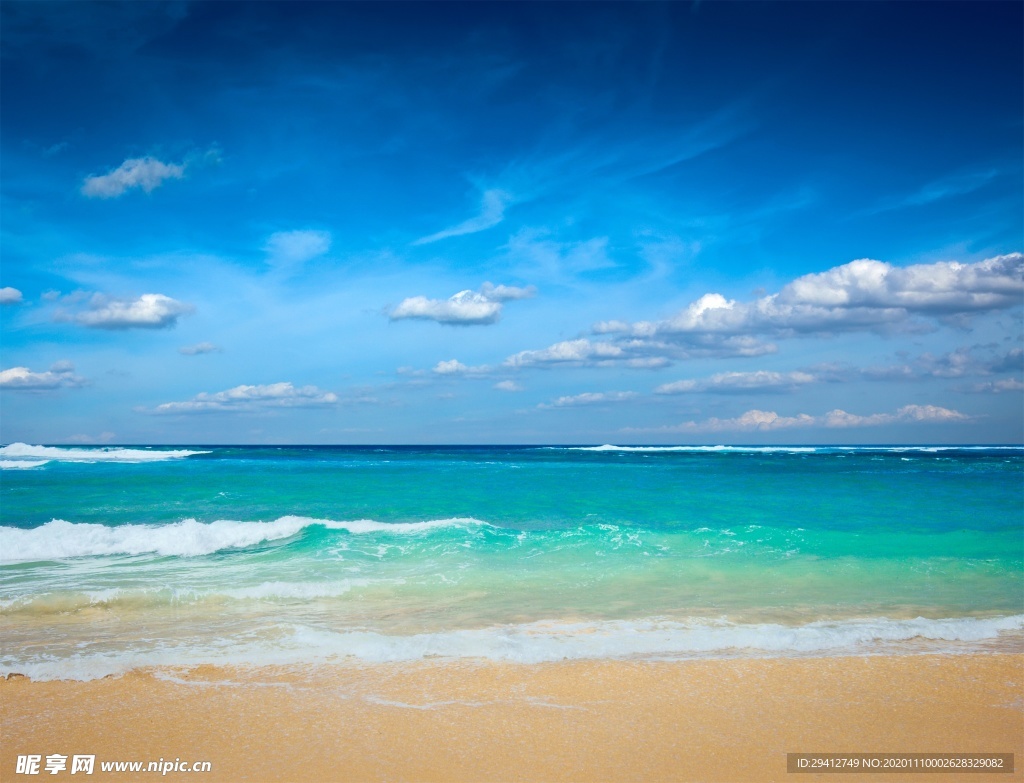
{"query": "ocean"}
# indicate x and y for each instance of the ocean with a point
(114, 558)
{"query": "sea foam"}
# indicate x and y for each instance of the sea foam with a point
(785, 449)
(540, 642)
(17, 455)
(59, 539)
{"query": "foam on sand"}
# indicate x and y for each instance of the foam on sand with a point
(542, 642)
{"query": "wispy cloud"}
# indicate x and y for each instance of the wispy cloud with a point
(535, 254)
(508, 386)
(633, 353)
(293, 248)
(590, 398)
(242, 398)
(60, 375)
(492, 212)
(954, 185)
(758, 381)
(581, 351)
(998, 387)
(145, 173)
(466, 308)
(149, 311)
(103, 437)
(199, 348)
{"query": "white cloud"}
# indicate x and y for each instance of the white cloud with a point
(590, 398)
(960, 363)
(764, 421)
(505, 293)
(863, 295)
(455, 367)
(492, 212)
(508, 386)
(741, 382)
(450, 367)
(632, 353)
(292, 248)
(146, 173)
(465, 308)
(997, 387)
(149, 311)
(860, 295)
(274, 395)
(198, 348)
(9, 295)
(60, 375)
(908, 413)
(568, 351)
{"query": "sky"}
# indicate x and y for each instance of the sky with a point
(463, 223)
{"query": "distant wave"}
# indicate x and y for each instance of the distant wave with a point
(609, 447)
(539, 642)
(58, 539)
(787, 449)
(22, 455)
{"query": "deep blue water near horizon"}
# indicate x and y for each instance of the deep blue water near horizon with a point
(120, 556)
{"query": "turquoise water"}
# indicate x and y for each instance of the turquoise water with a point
(119, 557)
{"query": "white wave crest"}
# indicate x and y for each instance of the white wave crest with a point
(59, 539)
(753, 449)
(540, 642)
(789, 449)
(23, 452)
(18, 464)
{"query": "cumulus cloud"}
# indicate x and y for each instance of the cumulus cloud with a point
(274, 395)
(293, 248)
(146, 173)
(765, 421)
(9, 295)
(590, 398)
(508, 386)
(60, 375)
(860, 295)
(741, 383)
(450, 367)
(198, 348)
(492, 212)
(863, 295)
(466, 308)
(149, 311)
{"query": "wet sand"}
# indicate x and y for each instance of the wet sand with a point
(714, 720)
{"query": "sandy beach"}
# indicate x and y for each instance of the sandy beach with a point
(709, 720)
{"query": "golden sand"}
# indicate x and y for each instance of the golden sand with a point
(715, 720)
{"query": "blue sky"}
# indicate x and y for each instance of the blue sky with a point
(514, 223)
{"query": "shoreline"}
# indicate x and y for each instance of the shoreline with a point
(597, 720)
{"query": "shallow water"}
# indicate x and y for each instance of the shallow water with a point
(118, 557)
